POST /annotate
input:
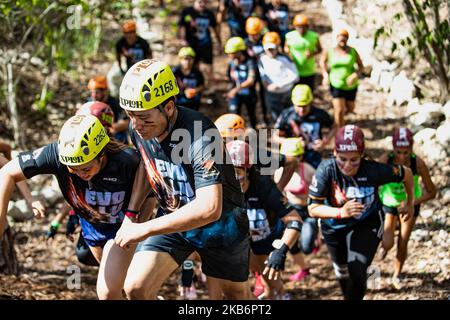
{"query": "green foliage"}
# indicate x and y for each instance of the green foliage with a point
(430, 36)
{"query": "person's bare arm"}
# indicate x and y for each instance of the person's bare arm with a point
(430, 189)
(11, 174)
(6, 150)
(204, 209)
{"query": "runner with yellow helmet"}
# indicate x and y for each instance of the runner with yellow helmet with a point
(95, 175)
(201, 204)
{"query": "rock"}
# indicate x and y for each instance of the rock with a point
(446, 110)
(413, 107)
(334, 8)
(114, 78)
(51, 194)
(386, 79)
(421, 264)
(19, 211)
(425, 214)
(445, 196)
(433, 152)
(425, 135)
(402, 90)
(443, 134)
(420, 235)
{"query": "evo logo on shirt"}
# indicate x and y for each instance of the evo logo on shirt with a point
(110, 203)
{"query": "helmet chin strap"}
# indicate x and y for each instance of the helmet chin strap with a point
(169, 126)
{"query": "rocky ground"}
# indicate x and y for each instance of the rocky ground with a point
(46, 267)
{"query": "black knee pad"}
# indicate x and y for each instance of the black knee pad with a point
(84, 254)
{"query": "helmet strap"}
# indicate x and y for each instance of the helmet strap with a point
(169, 126)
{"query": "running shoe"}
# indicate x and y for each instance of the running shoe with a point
(303, 273)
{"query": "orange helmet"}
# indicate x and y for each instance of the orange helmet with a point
(129, 26)
(253, 25)
(98, 82)
(300, 20)
(230, 125)
(271, 37)
(343, 32)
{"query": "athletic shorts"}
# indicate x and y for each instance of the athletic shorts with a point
(96, 235)
(394, 211)
(349, 95)
(229, 263)
(203, 52)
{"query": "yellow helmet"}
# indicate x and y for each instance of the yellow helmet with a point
(230, 125)
(81, 139)
(234, 45)
(146, 85)
(186, 52)
(292, 147)
(301, 95)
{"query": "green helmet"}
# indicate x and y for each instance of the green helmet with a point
(234, 45)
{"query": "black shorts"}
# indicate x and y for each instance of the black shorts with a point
(203, 53)
(394, 211)
(229, 263)
(349, 95)
(309, 80)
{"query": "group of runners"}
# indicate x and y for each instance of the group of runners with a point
(156, 185)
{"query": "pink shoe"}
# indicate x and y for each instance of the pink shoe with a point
(259, 287)
(317, 247)
(300, 275)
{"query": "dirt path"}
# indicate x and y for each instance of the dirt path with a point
(44, 266)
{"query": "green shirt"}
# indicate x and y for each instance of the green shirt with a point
(298, 44)
(393, 194)
(342, 66)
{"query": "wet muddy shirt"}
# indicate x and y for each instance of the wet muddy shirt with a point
(186, 161)
(103, 199)
(329, 183)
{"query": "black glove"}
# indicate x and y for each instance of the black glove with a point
(277, 258)
(187, 273)
(72, 224)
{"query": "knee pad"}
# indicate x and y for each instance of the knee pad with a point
(341, 271)
(84, 254)
(187, 273)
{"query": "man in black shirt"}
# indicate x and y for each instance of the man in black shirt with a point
(194, 30)
(306, 121)
(201, 204)
(131, 46)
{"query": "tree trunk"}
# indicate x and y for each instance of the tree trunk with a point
(12, 105)
(8, 258)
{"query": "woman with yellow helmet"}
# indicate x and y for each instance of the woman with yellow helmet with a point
(241, 74)
(95, 175)
(297, 194)
(189, 78)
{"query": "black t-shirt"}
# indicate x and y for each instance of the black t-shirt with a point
(242, 12)
(104, 198)
(256, 48)
(192, 80)
(239, 73)
(265, 208)
(329, 183)
(197, 25)
(139, 50)
(293, 124)
(186, 161)
(279, 23)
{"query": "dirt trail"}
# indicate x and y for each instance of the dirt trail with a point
(44, 265)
